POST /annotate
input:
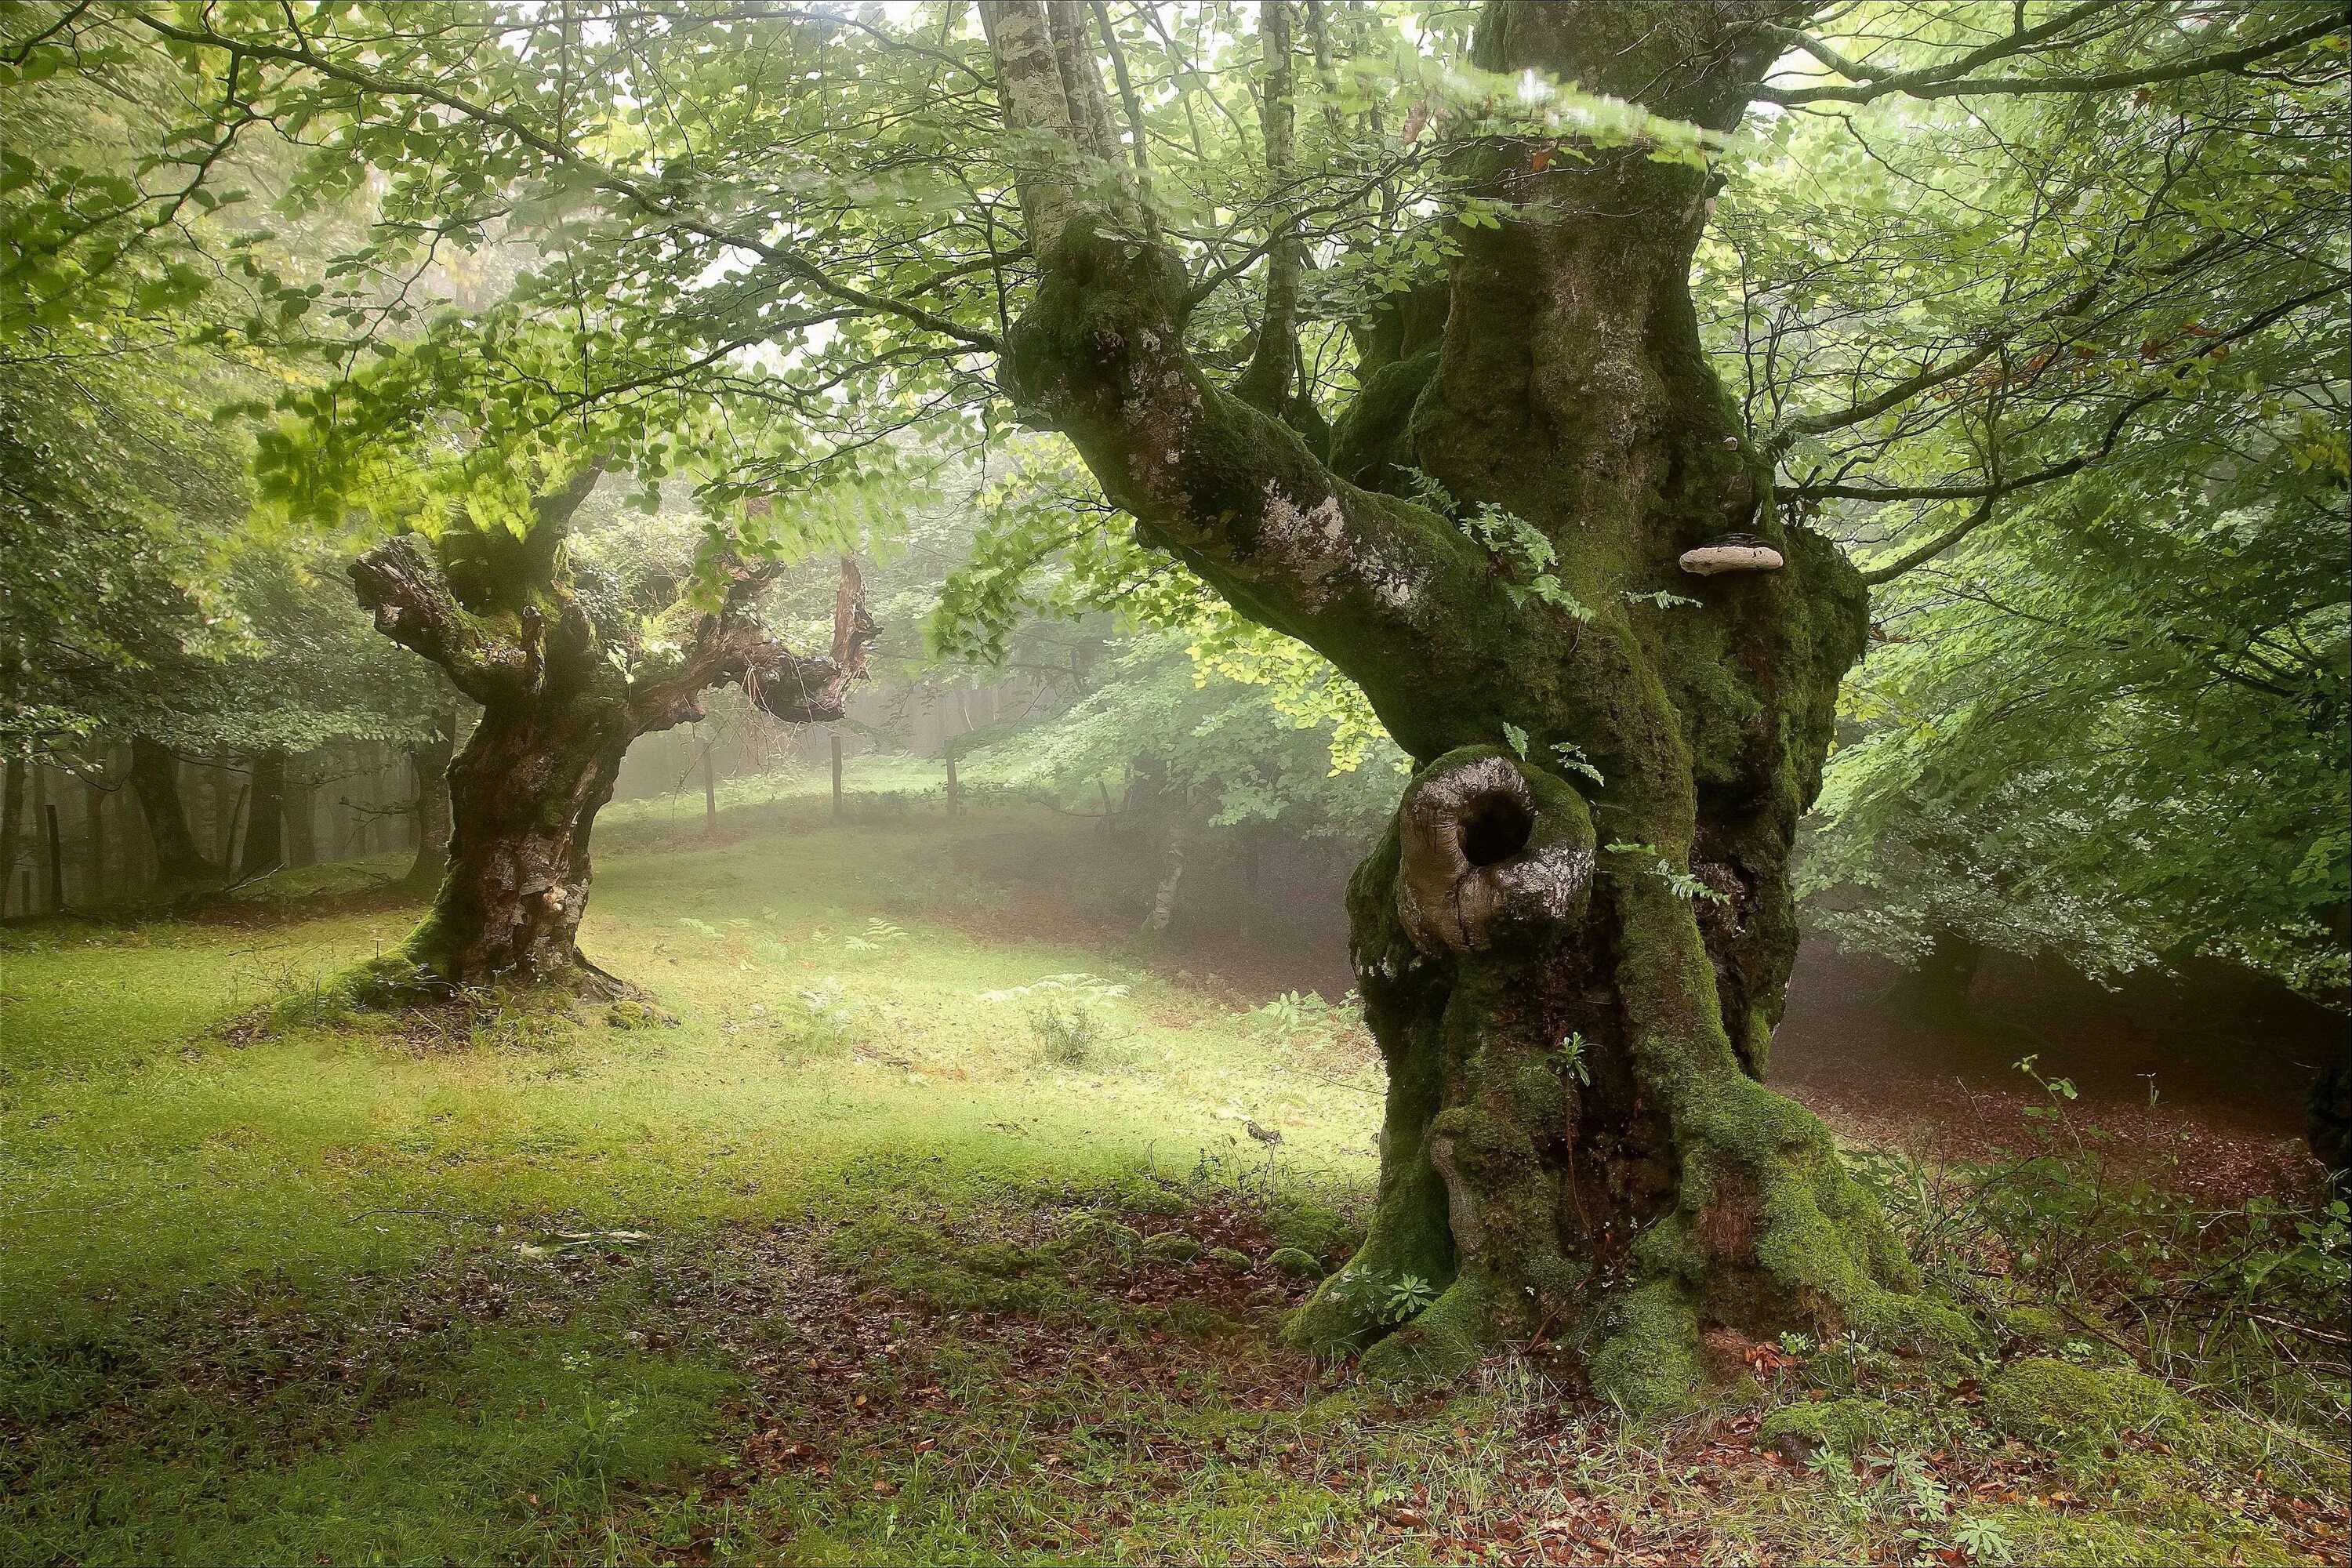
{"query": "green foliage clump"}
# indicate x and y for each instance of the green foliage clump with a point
(1171, 1247)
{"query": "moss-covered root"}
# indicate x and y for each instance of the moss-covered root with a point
(403, 982)
(1443, 1342)
(1408, 1241)
(1770, 1232)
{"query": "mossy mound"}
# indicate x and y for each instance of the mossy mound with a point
(1232, 1259)
(998, 1260)
(2046, 1329)
(1171, 1247)
(1845, 1426)
(1295, 1262)
(1099, 1236)
(397, 982)
(2065, 1407)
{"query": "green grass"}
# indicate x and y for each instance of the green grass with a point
(832, 1270)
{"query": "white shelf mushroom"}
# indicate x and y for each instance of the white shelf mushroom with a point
(1732, 553)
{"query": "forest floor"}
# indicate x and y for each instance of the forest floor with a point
(942, 1227)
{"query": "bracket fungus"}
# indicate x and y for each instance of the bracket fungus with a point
(1731, 553)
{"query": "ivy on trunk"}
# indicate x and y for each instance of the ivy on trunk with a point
(1574, 939)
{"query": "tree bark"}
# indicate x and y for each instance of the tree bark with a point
(1172, 873)
(56, 859)
(94, 816)
(265, 835)
(1573, 984)
(429, 762)
(12, 817)
(300, 809)
(710, 794)
(155, 779)
(499, 617)
(223, 815)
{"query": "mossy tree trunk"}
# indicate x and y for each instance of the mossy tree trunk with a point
(1573, 984)
(562, 697)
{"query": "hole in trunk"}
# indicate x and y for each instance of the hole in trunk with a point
(1494, 828)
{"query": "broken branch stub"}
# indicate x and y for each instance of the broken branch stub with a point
(1490, 850)
(815, 691)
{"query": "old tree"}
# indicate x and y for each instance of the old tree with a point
(1574, 1043)
(1573, 940)
(565, 684)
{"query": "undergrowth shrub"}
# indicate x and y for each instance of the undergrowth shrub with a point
(2082, 1245)
(1070, 1016)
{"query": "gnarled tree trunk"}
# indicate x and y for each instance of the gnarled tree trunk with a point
(1573, 982)
(499, 617)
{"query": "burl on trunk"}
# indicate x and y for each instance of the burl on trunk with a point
(1573, 940)
(563, 696)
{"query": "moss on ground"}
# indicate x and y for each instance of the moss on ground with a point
(1848, 1426)
(2064, 1405)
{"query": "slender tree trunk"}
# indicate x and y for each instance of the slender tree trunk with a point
(1171, 872)
(223, 815)
(94, 809)
(265, 837)
(56, 860)
(710, 794)
(1573, 980)
(429, 762)
(301, 813)
(11, 814)
(37, 897)
(953, 744)
(155, 779)
(838, 809)
(236, 820)
(1937, 989)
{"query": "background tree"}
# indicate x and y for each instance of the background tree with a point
(568, 671)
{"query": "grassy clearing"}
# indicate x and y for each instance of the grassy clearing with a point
(936, 1230)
